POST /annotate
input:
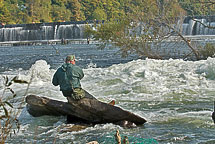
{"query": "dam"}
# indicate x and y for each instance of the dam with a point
(42, 31)
(74, 30)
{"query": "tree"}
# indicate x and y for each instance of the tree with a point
(99, 14)
(60, 13)
(5, 15)
(145, 22)
(76, 9)
(198, 7)
(38, 10)
(112, 9)
(60, 3)
(89, 7)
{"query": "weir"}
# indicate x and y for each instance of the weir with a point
(43, 31)
(199, 25)
(75, 30)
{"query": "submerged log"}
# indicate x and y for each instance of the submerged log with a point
(87, 109)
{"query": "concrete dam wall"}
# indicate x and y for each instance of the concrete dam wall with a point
(199, 25)
(42, 31)
(75, 30)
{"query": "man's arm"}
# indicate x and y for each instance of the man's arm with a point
(78, 72)
(55, 79)
(81, 74)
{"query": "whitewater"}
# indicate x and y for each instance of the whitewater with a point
(174, 96)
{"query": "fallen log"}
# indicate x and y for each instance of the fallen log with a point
(87, 109)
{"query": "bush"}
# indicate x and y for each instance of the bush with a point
(208, 50)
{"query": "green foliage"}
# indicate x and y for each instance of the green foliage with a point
(38, 10)
(60, 14)
(123, 18)
(5, 15)
(60, 3)
(208, 50)
(28, 11)
(7, 119)
(17, 13)
(112, 9)
(75, 7)
(198, 7)
(140, 27)
(99, 14)
(9, 123)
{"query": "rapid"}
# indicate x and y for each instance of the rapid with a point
(174, 96)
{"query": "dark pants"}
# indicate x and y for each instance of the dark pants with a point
(67, 93)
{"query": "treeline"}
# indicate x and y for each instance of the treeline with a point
(28, 11)
(36, 11)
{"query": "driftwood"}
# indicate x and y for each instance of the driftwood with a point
(87, 109)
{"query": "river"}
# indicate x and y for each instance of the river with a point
(174, 96)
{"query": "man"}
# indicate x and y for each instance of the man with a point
(68, 76)
(213, 114)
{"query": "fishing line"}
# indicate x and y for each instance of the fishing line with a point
(57, 51)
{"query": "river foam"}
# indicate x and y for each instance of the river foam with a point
(165, 92)
(138, 80)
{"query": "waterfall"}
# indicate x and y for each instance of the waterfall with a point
(47, 32)
(75, 30)
(69, 32)
(198, 26)
(40, 31)
(10, 34)
(211, 31)
(55, 32)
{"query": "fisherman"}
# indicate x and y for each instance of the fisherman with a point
(213, 114)
(68, 76)
(88, 40)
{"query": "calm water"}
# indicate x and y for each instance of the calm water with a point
(175, 96)
(24, 56)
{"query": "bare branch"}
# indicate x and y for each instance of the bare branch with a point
(210, 27)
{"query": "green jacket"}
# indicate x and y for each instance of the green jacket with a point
(68, 76)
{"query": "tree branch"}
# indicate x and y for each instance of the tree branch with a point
(210, 27)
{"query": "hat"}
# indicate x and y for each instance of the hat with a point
(70, 58)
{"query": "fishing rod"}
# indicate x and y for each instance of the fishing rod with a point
(57, 51)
